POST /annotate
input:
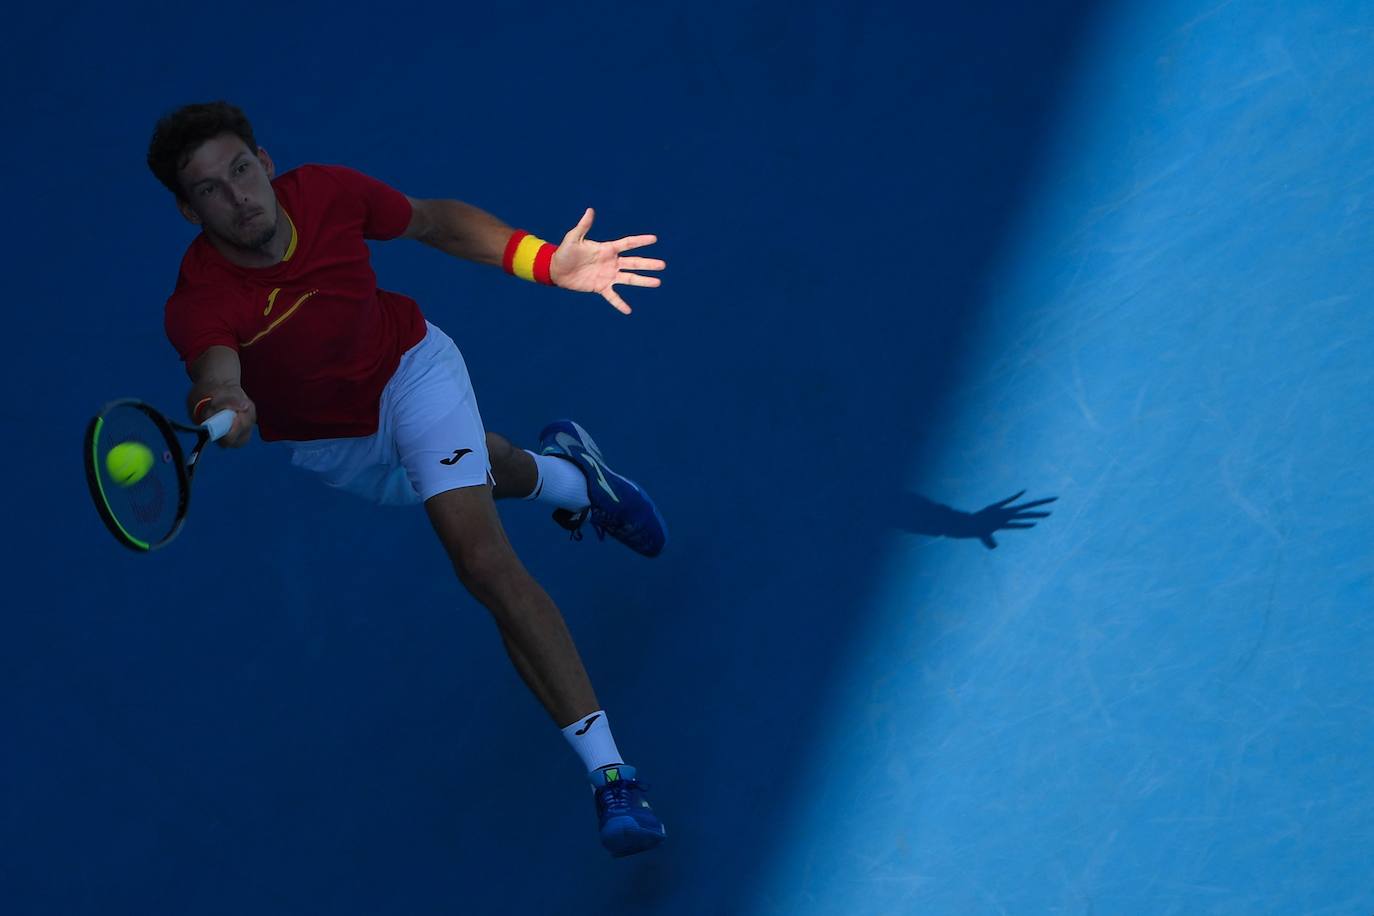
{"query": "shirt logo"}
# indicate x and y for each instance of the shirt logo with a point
(271, 302)
(458, 454)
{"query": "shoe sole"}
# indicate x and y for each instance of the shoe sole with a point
(623, 836)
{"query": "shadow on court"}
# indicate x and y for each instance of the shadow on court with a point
(919, 515)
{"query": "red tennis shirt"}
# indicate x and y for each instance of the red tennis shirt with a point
(317, 340)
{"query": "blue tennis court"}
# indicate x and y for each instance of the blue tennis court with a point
(920, 259)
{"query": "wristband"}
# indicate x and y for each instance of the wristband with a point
(195, 411)
(528, 257)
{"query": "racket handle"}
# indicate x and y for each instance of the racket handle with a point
(219, 424)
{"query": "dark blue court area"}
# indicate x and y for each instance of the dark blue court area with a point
(921, 257)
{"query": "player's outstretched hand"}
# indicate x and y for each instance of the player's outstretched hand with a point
(595, 267)
(913, 512)
(233, 398)
(1001, 516)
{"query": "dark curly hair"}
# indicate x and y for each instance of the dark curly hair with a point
(178, 134)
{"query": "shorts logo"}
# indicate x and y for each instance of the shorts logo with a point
(458, 454)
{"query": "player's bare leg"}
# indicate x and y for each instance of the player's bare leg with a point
(531, 626)
(514, 470)
(542, 650)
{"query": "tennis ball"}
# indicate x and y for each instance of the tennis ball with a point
(127, 462)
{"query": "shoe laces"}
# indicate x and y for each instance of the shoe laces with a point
(616, 795)
(602, 522)
(572, 521)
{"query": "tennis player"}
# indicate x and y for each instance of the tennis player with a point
(278, 316)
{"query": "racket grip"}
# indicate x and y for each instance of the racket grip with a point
(219, 424)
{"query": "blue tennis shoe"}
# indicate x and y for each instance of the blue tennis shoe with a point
(628, 825)
(619, 507)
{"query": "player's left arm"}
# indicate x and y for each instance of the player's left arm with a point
(467, 232)
(459, 229)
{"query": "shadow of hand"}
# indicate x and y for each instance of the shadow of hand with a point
(923, 516)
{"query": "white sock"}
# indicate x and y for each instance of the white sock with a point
(591, 737)
(560, 483)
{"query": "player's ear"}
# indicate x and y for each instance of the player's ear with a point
(267, 163)
(190, 215)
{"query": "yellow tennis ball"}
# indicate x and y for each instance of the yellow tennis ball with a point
(128, 462)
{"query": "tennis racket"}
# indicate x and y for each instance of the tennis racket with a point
(147, 513)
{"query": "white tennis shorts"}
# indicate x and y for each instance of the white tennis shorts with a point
(429, 436)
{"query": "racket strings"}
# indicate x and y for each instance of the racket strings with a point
(147, 510)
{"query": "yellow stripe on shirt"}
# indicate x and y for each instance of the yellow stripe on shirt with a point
(291, 246)
(280, 318)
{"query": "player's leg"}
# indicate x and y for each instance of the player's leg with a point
(542, 650)
(441, 443)
(442, 446)
(531, 626)
(517, 475)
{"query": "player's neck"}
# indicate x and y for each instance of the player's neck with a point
(268, 255)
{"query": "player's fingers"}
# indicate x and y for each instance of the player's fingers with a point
(641, 264)
(614, 299)
(1036, 502)
(633, 241)
(1029, 515)
(637, 280)
(242, 429)
(1008, 500)
(579, 232)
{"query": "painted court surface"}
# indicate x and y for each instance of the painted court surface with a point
(1116, 253)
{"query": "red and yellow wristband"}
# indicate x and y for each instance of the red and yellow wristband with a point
(529, 257)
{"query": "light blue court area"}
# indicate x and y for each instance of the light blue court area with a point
(921, 257)
(1160, 700)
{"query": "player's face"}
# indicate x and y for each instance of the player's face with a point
(228, 190)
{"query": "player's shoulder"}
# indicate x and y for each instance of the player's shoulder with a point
(323, 184)
(315, 173)
(200, 264)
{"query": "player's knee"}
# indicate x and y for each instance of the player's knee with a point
(484, 565)
(470, 530)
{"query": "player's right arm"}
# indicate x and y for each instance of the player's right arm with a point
(215, 375)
